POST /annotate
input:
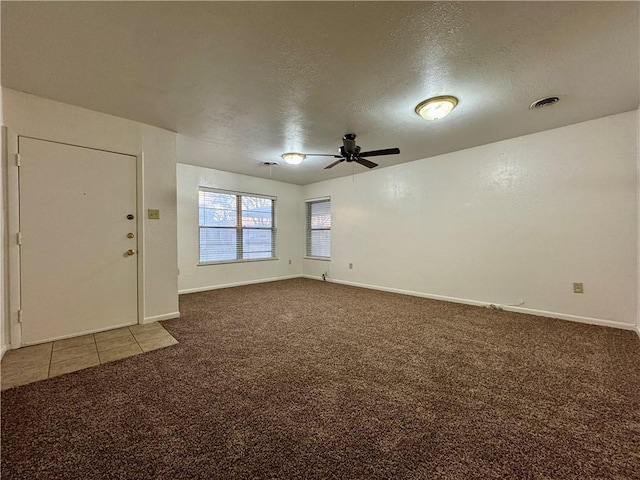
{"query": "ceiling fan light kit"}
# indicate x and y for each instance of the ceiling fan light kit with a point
(293, 158)
(435, 108)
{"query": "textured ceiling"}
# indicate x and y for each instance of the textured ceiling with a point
(248, 81)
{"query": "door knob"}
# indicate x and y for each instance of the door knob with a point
(130, 235)
(129, 217)
(131, 252)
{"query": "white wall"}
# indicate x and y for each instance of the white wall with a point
(517, 220)
(45, 119)
(289, 224)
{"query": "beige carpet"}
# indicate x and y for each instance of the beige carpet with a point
(302, 379)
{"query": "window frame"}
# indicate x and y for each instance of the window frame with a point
(239, 228)
(308, 229)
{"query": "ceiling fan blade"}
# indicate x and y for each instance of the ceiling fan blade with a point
(365, 162)
(322, 155)
(386, 151)
(334, 163)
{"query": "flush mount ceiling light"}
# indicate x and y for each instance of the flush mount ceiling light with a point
(293, 158)
(436, 107)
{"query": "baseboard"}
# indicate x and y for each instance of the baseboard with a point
(409, 292)
(236, 284)
(157, 318)
(313, 277)
(638, 330)
(528, 311)
(3, 350)
(572, 318)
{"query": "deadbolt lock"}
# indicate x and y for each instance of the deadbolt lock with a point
(130, 235)
(131, 252)
(129, 217)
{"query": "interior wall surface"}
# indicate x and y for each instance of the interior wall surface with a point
(514, 223)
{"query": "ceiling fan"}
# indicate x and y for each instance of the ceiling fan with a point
(350, 152)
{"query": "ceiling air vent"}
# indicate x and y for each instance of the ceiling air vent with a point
(544, 102)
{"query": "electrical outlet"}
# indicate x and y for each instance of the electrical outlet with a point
(578, 288)
(154, 214)
(351, 266)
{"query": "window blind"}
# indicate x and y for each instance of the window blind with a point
(236, 227)
(319, 228)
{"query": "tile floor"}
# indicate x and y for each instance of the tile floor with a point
(38, 362)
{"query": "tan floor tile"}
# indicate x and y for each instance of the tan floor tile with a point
(12, 368)
(157, 342)
(15, 375)
(74, 364)
(148, 335)
(147, 327)
(34, 362)
(120, 352)
(73, 352)
(29, 356)
(109, 334)
(116, 343)
(73, 342)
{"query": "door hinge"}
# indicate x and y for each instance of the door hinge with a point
(19, 238)
(19, 316)
(17, 159)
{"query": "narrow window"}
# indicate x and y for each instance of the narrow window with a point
(319, 228)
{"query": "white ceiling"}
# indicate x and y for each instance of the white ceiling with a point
(251, 80)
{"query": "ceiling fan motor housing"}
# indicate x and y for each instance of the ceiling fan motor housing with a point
(349, 150)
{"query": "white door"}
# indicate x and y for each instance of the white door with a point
(78, 256)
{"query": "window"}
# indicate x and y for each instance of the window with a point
(236, 227)
(319, 228)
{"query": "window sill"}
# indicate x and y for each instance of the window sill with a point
(226, 262)
(323, 259)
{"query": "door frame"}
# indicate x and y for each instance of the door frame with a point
(13, 227)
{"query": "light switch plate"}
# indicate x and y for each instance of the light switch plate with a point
(154, 214)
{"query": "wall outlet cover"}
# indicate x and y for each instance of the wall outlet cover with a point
(153, 214)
